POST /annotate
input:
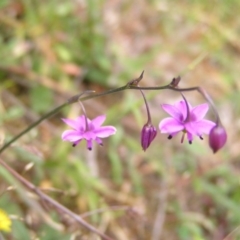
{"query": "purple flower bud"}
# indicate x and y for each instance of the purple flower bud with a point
(217, 138)
(149, 132)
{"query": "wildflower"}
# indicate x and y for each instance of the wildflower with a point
(84, 128)
(5, 222)
(217, 138)
(187, 119)
(149, 132)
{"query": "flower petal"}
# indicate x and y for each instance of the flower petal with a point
(89, 135)
(199, 112)
(71, 136)
(98, 121)
(99, 141)
(70, 122)
(170, 125)
(172, 111)
(189, 136)
(174, 133)
(76, 143)
(200, 127)
(105, 131)
(203, 126)
(81, 123)
(89, 144)
(182, 107)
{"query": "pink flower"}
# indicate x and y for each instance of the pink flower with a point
(84, 128)
(186, 119)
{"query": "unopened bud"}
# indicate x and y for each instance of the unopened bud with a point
(217, 138)
(149, 132)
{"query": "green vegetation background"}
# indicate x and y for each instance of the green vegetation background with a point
(52, 50)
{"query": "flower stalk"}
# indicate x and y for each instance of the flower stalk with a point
(149, 132)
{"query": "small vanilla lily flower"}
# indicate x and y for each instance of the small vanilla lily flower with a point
(84, 128)
(187, 119)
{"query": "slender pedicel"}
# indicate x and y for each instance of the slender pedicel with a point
(149, 132)
(85, 115)
(187, 107)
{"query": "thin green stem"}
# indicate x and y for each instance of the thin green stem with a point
(148, 111)
(34, 124)
(105, 93)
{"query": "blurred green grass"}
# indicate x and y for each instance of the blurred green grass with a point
(51, 50)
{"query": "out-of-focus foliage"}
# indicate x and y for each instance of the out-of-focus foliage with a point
(51, 50)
